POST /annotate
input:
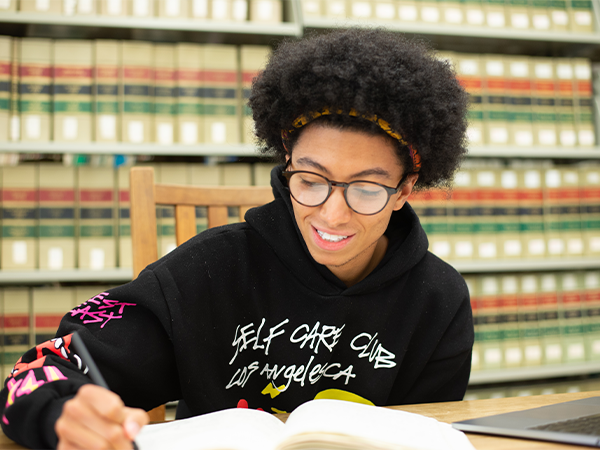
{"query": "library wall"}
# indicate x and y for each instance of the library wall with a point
(79, 107)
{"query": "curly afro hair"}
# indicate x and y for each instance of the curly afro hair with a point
(373, 71)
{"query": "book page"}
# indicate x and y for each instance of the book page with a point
(230, 429)
(386, 428)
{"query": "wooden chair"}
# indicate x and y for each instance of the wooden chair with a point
(145, 195)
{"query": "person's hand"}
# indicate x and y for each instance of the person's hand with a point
(96, 418)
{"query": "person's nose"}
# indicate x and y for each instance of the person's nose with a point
(335, 211)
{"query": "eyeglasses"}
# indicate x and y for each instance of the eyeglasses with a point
(363, 197)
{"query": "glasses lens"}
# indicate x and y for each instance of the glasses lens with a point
(308, 189)
(366, 198)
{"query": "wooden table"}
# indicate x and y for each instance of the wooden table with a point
(456, 411)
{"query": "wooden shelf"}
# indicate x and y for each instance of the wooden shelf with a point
(533, 373)
(29, 277)
(525, 265)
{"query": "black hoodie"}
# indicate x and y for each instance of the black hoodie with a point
(241, 315)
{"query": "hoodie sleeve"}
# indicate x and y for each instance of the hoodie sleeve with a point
(445, 376)
(127, 331)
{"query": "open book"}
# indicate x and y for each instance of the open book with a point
(315, 425)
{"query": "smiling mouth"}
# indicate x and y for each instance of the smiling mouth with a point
(331, 237)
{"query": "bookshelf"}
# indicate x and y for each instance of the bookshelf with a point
(443, 37)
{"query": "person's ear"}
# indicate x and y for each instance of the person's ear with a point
(405, 191)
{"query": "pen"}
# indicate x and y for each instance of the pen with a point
(93, 370)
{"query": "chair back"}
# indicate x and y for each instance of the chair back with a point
(145, 195)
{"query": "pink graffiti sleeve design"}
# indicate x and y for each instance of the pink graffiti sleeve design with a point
(100, 309)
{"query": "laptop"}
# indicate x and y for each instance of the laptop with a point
(574, 422)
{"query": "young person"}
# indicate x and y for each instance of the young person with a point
(327, 292)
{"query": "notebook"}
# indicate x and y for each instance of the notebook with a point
(574, 422)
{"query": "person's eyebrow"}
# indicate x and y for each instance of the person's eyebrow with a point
(363, 173)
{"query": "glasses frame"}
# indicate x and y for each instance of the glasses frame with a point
(390, 190)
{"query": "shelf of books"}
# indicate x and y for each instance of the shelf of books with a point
(531, 325)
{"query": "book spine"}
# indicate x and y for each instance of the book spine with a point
(17, 326)
(590, 209)
(451, 11)
(540, 14)
(141, 8)
(544, 103)
(433, 209)
(15, 114)
(84, 7)
(49, 305)
(548, 313)
(531, 213)
(112, 7)
(5, 74)
(190, 125)
(125, 256)
(164, 94)
(582, 19)
(492, 350)
(96, 218)
(564, 103)
(72, 91)
(220, 95)
(529, 330)
(56, 217)
(173, 9)
(495, 13)
(270, 11)
(559, 15)
(35, 89)
(519, 102)
(519, 14)
(495, 88)
(476, 355)
(484, 215)
(252, 60)
(507, 213)
(138, 62)
(469, 74)
(429, 11)
(509, 322)
(584, 103)
(107, 111)
(8, 5)
(41, 6)
(591, 314)
(572, 327)
(19, 217)
(460, 213)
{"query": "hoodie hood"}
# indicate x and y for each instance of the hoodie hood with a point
(276, 224)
